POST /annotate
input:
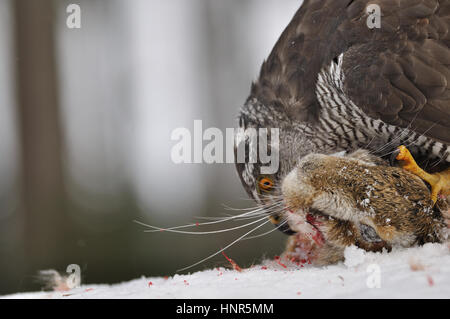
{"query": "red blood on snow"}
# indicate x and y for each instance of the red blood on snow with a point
(430, 281)
(235, 266)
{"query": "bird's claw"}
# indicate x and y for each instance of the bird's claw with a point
(439, 182)
(393, 157)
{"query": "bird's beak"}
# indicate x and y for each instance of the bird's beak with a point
(284, 228)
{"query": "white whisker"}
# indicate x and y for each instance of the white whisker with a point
(172, 230)
(223, 249)
(267, 233)
(255, 212)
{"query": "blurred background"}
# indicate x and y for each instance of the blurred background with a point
(86, 117)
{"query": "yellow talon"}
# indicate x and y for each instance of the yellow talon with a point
(440, 182)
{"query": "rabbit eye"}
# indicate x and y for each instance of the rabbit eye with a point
(369, 234)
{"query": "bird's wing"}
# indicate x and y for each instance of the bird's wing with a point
(400, 73)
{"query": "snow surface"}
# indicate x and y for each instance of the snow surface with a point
(421, 272)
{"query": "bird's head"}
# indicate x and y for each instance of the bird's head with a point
(268, 145)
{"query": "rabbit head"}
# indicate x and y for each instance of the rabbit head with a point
(357, 200)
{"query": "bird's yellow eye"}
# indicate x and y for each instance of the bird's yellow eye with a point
(265, 184)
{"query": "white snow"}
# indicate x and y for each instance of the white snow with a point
(354, 257)
(422, 272)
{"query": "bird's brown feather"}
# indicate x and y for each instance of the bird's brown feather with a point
(399, 73)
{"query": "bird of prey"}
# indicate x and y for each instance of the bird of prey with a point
(334, 82)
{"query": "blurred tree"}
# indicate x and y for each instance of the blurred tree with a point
(164, 63)
(42, 187)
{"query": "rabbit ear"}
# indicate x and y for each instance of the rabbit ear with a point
(447, 221)
(446, 215)
(446, 212)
